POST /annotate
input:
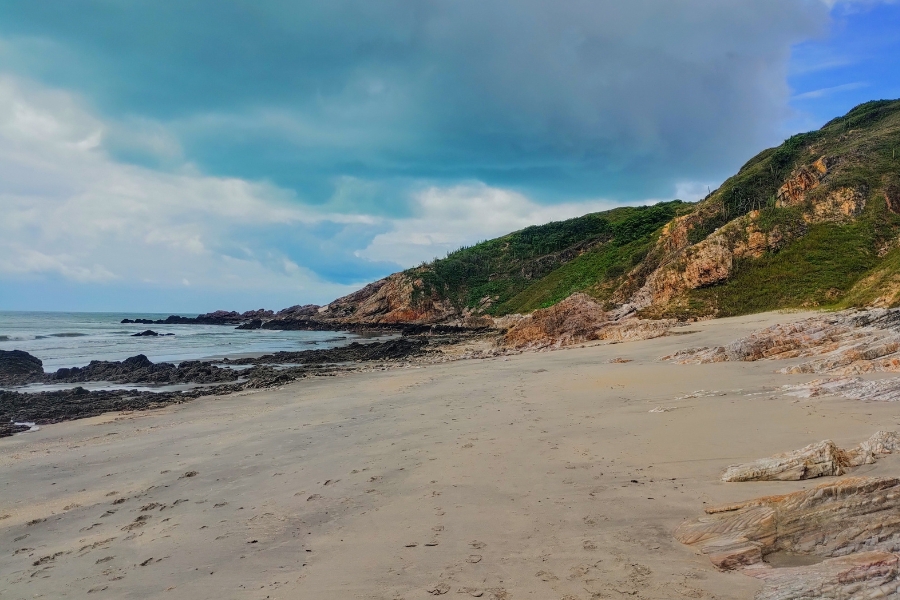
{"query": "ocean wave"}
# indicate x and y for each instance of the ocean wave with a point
(64, 335)
(5, 338)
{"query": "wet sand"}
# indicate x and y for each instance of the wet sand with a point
(542, 475)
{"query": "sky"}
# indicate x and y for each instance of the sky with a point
(192, 156)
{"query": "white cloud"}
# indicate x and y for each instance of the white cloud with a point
(447, 217)
(70, 211)
(830, 90)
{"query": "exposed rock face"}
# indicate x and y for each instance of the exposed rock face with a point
(802, 180)
(387, 301)
(683, 266)
(840, 205)
(575, 320)
(832, 519)
(16, 365)
(892, 195)
(854, 577)
(855, 521)
(844, 343)
(815, 460)
(702, 264)
(306, 310)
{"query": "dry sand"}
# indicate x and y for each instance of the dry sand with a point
(543, 475)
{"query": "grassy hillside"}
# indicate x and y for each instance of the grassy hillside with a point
(543, 264)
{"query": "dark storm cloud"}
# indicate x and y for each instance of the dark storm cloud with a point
(559, 99)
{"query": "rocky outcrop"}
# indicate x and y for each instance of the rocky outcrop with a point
(218, 317)
(815, 460)
(150, 333)
(854, 521)
(79, 403)
(855, 577)
(802, 180)
(390, 300)
(395, 349)
(832, 519)
(843, 343)
(702, 264)
(576, 320)
(140, 369)
(854, 388)
(892, 194)
(19, 366)
(840, 205)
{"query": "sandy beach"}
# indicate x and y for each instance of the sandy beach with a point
(545, 475)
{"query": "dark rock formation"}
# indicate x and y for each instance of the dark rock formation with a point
(78, 403)
(146, 333)
(18, 367)
(17, 362)
(139, 369)
(396, 349)
(218, 317)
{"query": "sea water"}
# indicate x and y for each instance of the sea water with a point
(74, 339)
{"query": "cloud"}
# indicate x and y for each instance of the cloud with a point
(71, 212)
(445, 218)
(830, 90)
(73, 215)
(568, 100)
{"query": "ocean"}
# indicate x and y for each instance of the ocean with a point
(62, 339)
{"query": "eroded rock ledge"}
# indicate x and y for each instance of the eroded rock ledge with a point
(843, 343)
(815, 460)
(855, 521)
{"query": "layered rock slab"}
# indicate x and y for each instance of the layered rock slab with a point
(820, 459)
(859, 576)
(832, 519)
(855, 522)
(843, 343)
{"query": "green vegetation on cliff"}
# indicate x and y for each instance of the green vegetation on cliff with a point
(542, 264)
(844, 263)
